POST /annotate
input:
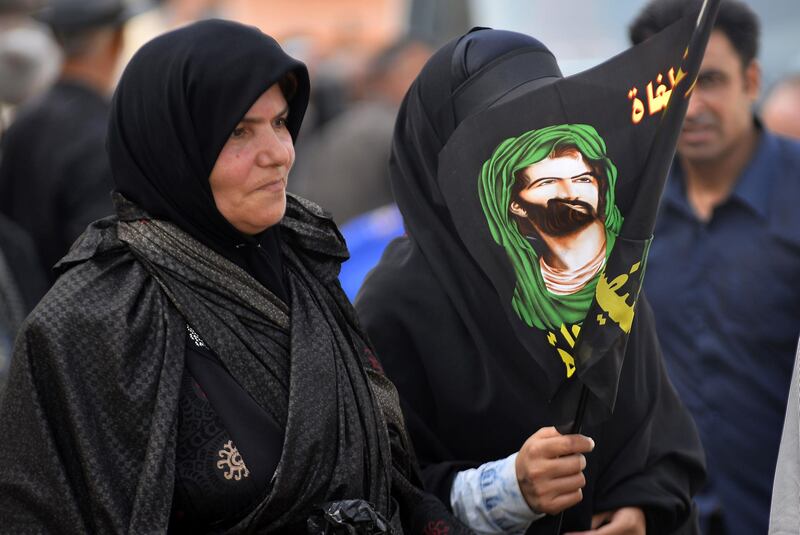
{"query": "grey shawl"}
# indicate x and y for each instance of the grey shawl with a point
(88, 424)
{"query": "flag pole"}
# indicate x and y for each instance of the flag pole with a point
(577, 423)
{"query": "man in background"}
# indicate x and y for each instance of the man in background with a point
(54, 173)
(722, 270)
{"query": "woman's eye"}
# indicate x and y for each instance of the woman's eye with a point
(238, 132)
(584, 179)
(281, 122)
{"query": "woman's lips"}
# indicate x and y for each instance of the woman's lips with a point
(274, 186)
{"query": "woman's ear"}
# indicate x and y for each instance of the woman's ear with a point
(517, 210)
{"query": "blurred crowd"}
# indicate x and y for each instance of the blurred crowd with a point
(59, 68)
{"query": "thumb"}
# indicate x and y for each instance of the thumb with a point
(602, 518)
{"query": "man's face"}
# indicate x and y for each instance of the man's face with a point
(719, 112)
(561, 195)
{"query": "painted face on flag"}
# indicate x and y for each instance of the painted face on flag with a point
(559, 195)
(546, 227)
(548, 197)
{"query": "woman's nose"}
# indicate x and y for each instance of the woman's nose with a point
(274, 151)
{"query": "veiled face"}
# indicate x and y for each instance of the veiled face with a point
(249, 178)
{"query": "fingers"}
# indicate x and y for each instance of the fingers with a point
(549, 443)
(624, 521)
(533, 467)
(550, 468)
(564, 485)
(601, 519)
(552, 496)
(566, 445)
(564, 501)
(563, 466)
(546, 432)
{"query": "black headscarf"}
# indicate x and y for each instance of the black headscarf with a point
(180, 97)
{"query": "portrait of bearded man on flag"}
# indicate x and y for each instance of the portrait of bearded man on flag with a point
(548, 197)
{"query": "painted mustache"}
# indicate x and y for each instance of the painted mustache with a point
(561, 217)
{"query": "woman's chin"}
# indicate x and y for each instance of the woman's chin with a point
(252, 222)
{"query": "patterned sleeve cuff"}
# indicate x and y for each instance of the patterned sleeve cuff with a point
(488, 499)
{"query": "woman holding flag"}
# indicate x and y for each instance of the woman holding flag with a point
(481, 378)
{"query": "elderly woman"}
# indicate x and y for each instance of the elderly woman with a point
(474, 397)
(197, 367)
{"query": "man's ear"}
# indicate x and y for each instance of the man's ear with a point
(752, 78)
(517, 210)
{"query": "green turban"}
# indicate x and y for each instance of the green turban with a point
(532, 302)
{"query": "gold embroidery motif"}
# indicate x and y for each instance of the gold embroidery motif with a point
(232, 463)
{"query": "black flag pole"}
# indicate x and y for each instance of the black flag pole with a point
(640, 221)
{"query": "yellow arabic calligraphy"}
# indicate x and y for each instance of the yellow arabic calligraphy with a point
(658, 98)
(659, 101)
(637, 110)
(570, 338)
(615, 305)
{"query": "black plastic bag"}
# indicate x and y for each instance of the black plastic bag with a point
(348, 517)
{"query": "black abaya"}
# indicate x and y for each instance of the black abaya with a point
(471, 393)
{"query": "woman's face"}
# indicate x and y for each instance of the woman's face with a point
(249, 177)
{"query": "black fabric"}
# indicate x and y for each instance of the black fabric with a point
(113, 328)
(22, 283)
(257, 436)
(23, 264)
(207, 494)
(178, 100)
(512, 58)
(54, 174)
(471, 393)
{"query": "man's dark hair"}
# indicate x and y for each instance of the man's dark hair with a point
(735, 19)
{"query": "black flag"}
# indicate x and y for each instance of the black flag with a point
(555, 192)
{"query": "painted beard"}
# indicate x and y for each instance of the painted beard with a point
(561, 217)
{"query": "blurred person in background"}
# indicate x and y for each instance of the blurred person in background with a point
(162, 16)
(781, 109)
(29, 61)
(345, 163)
(22, 284)
(54, 173)
(29, 57)
(722, 271)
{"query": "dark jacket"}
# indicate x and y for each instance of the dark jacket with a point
(55, 176)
